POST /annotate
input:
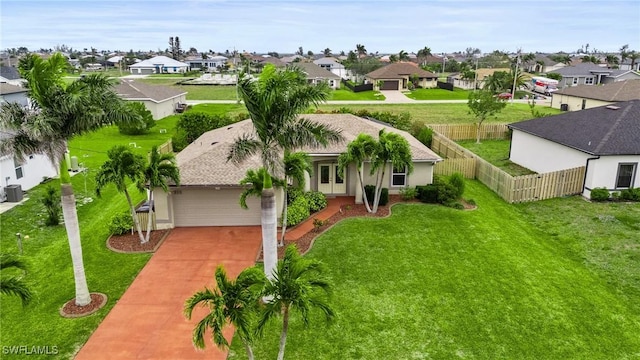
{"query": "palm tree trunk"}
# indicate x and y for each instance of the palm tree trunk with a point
(72, 226)
(283, 336)
(269, 222)
(285, 209)
(249, 350)
(150, 215)
(364, 193)
(378, 189)
(136, 222)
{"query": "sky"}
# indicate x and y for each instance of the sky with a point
(273, 25)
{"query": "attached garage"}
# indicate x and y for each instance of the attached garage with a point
(207, 206)
(390, 85)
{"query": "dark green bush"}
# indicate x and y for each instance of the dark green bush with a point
(298, 211)
(293, 193)
(428, 194)
(457, 181)
(408, 193)
(143, 123)
(51, 202)
(471, 202)
(425, 136)
(629, 194)
(121, 224)
(600, 194)
(454, 205)
(384, 195)
(440, 192)
(192, 124)
(317, 200)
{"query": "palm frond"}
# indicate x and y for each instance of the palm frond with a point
(243, 148)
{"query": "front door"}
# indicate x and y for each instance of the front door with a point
(329, 180)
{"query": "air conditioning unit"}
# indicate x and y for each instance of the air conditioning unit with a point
(564, 107)
(14, 193)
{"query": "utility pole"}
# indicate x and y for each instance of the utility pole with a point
(515, 76)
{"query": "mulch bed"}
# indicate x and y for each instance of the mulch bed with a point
(130, 243)
(71, 310)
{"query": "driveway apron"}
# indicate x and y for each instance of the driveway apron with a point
(148, 321)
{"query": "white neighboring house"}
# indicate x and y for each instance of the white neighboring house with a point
(212, 63)
(10, 75)
(606, 140)
(160, 100)
(27, 172)
(331, 64)
(159, 65)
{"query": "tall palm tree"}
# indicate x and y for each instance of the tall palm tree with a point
(361, 50)
(296, 164)
(231, 302)
(403, 56)
(122, 165)
(274, 101)
(612, 60)
(299, 284)
(633, 56)
(255, 181)
(327, 52)
(393, 149)
(358, 151)
(159, 169)
(58, 112)
(13, 285)
(423, 54)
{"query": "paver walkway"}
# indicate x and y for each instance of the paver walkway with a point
(148, 322)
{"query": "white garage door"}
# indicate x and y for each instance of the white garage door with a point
(210, 207)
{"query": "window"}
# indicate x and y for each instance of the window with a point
(324, 174)
(575, 81)
(626, 175)
(399, 177)
(588, 81)
(19, 170)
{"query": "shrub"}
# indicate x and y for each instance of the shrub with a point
(600, 194)
(293, 193)
(454, 204)
(317, 200)
(457, 182)
(142, 124)
(408, 193)
(384, 195)
(298, 211)
(472, 202)
(615, 196)
(51, 202)
(629, 194)
(428, 194)
(440, 192)
(317, 224)
(425, 136)
(121, 224)
(194, 124)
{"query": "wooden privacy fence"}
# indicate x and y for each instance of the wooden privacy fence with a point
(165, 148)
(468, 131)
(511, 188)
(143, 217)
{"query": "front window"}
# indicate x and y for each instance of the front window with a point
(588, 81)
(324, 174)
(399, 176)
(575, 81)
(626, 175)
(18, 166)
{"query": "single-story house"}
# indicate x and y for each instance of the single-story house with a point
(396, 77)
(586, 96)
(456, 79)
(211, 63)
(10, 75)
(210, 189)
(543, 64)
(332, 64)
(13, 93)
(592, 74)
(316, 74)
(606, 140)
(159, 65)
(160, 100)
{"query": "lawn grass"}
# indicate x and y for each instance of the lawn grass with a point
(497, 153)
(438, 283)
(209, 92)
(345, 94)
(439, 94)
(447, 113)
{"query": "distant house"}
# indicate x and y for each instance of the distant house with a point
(331, 64)
(606, 140)
(211, 63)
(159, 65)
(627, 65)
(160, 100)
(10, 75)
(316, 74)
(592, 74)
(586, 97)
(27, 172)
(396, 76)
(543, 64)
(481, 75)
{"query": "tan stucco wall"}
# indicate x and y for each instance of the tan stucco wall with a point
(575, 102)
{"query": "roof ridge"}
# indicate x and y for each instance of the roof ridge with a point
(615, 95)
(606, 137)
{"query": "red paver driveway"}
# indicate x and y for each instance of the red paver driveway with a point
(148, 322)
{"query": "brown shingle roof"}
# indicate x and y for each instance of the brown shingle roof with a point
(133, 90)
(203, 162)
(314, 71)
(399, 70)
(616, 91)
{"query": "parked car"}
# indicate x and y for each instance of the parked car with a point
(504, 96)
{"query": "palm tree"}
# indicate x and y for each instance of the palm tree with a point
(274, 101)
(299, 284)
(393, 149)
(123, 165)
(358, 151)
(624, 54)
(12, 285)
(612, 60)
(393, 58)
(231, 302)
(327, 52)
(633, 56)
(423, 54)
(296, 164)
(403, 56)
(58, 113)
(160, 169)
(361, 50)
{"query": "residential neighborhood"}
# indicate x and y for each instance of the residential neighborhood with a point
(319, 181)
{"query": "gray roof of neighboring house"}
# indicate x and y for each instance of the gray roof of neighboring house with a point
(11, 89)
(398, 70)
(545, 60)
(133, 90)
(203, 162)
(615, 91)
(314, 71)
(597, 131)
(272, 60)
(9, 73)
(582, 69)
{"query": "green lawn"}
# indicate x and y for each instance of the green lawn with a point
(196, 92)
(346, 94)
(497, 153)
(500, 282)
(447, 113)
(439, 94)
